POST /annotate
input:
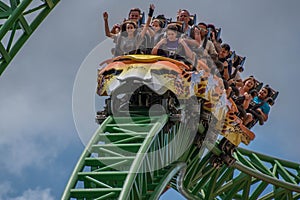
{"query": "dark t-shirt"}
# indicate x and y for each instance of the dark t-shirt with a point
(172, 49)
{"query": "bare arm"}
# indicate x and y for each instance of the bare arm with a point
(177, 15)
(187, 50)
(225, 72)
(151, 32)
(106, 26)
(156, 47)
(216, 43)
(239, 83)
(192, 42)
(202, 66)
(265, 116)
(247, 100)
(211, 49)
(152, 7)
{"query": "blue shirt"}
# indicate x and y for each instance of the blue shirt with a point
(265, 108)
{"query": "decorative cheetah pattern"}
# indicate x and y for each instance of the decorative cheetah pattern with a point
(184, 83)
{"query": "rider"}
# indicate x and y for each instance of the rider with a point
(263, 107)
(184, 16)
(156, 31)
(206, 44)
(135, 15)
(130, 39)
(173, 45)
(222, 56)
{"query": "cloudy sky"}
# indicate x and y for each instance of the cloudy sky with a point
(39, 144)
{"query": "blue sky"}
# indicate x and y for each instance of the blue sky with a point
(39, 144)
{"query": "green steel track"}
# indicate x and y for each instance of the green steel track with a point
(18, 20)
(122, 162)
(253, 176)
(118, 164)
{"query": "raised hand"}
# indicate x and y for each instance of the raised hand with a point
(105, 15)
(163, 41)
(181, 41)
(152, 6)
(151, 10)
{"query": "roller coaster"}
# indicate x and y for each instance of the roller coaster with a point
(165, 125)
(139, 151)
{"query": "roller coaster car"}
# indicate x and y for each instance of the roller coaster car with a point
(233, 129)
(140, 81)
(234, 133)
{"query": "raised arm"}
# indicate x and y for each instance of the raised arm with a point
(151, 32)
(225, 72)
(150, 14)
(106, 26)
(217, 45)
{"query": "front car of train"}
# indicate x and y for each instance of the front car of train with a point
(137, 82)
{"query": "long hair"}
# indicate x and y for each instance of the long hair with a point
(113, 30)
(192, 33)
(250, 78)
(123, 27)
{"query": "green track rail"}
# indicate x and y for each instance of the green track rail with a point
(122, 161)
(253, 176)
(19, 19)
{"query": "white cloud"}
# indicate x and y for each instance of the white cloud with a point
(32, 124)
(5, 188)
(26, 153)
(37, 194)
(6, 191)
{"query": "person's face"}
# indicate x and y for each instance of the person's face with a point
(134, 16)
(223, 53)
(184, 17)
(171, 35)
(203, 30)
(117, 30)
(249, 83)
(130, 28)
(155, 26)
(263, 93)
